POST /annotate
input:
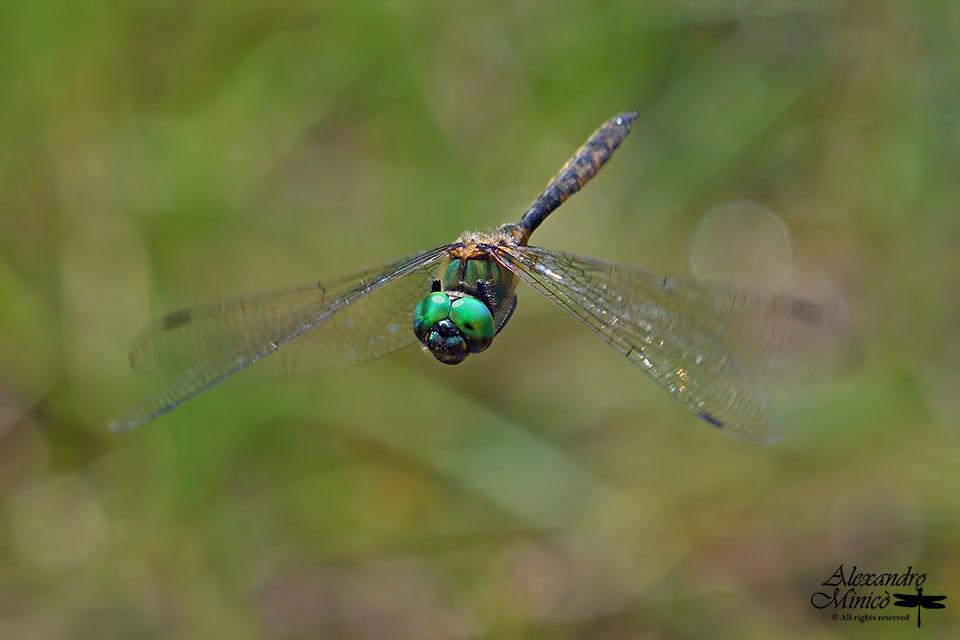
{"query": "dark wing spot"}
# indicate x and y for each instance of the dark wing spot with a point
(175, 319)
(808, 312)
(706, 417)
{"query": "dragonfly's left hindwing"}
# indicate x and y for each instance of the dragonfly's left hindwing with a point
(695, 341)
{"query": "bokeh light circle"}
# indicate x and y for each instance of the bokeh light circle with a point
(741, 243)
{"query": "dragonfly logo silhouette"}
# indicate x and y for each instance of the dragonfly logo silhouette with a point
(919, 600)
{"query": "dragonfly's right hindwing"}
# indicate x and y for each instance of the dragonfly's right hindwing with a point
(350, 321)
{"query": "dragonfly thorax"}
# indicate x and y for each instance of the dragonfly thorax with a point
(452, 325)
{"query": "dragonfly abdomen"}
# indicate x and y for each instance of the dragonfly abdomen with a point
(584, 164)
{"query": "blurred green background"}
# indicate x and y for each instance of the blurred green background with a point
(161, 154)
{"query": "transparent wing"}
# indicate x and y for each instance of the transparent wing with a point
(703, 344)
(352, 320)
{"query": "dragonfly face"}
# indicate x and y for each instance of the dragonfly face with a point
(453, 326)
(470, 304)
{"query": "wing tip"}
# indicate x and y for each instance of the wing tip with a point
(709, 419)
(118, 425)
(768, 437)
(126, 423)
(175, 319)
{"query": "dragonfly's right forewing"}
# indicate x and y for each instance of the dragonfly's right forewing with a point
(338, 324)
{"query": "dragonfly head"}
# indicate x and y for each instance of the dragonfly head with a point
(454, 328)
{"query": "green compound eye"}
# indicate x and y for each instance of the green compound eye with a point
(473, 318)
(428, 312)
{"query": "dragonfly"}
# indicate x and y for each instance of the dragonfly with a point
(910, 600)
(707, 345)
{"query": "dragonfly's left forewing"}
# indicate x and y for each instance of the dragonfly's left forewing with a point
(687, 362)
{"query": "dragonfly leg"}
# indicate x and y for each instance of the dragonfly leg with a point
(484, 296)
(507, 315)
